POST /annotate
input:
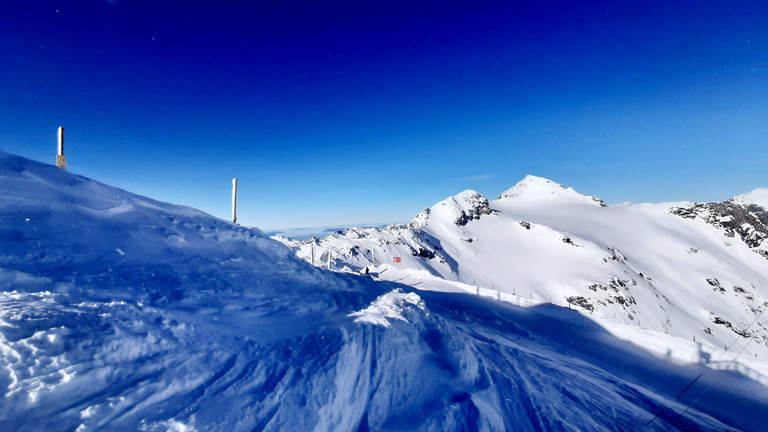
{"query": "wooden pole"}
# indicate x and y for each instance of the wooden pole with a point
(234, 200)
(312, 253)
(61, 160)
(329, 260)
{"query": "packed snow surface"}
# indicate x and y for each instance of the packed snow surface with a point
(118, 312)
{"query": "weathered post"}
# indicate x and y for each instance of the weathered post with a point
(312, 252)
(61, 161)
(329, 260)
(234, 200)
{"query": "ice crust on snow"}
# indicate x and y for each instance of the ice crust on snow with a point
(205, 325)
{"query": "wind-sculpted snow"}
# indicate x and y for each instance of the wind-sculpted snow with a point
(388, 307)
(118, 312)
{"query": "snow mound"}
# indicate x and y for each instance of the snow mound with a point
(390, 306)
(533, 188)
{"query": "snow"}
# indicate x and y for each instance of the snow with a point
(118, 312)
(534, 189)
(758, 197)
(387, 307)
(460, 209)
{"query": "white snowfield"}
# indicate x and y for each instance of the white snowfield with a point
(118, 312)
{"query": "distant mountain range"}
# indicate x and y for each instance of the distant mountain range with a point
(303, 233)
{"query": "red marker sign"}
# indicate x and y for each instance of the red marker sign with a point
(396, 259)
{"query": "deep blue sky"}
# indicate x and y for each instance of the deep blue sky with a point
(356, 112)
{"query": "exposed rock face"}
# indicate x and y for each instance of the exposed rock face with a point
(471, 205)
(599, 201)
(460, 209)
(748, 221)
(420, 220)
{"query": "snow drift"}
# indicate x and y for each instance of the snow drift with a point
(118, 312)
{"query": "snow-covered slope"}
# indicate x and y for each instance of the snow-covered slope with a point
(118, 312)
(758, 197)
(692, 271)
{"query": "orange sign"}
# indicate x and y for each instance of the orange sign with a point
(396, 259)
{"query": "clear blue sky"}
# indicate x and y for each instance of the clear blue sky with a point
(359, 112)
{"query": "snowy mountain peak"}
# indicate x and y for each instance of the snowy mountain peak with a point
(539, 188)
(532, 181)
(758, 197)
(460, 209)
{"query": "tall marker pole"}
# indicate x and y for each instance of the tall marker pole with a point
(61, 161)
(234, 200)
